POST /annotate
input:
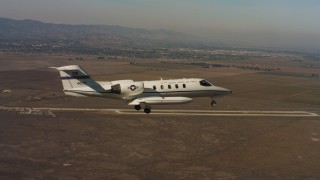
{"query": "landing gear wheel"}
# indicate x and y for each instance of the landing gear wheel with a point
(137, 107)
(147, 110)
(213, 103)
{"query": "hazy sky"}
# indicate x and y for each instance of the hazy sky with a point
(264, 23)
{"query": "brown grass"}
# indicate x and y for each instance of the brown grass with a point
(100, 146)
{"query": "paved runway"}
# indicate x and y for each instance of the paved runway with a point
(221, 113)
(34, 110)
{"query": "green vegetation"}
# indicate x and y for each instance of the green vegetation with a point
(292, 74)
(312, 57)
(76, 59)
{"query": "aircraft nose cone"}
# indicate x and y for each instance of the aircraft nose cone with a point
(223, 90)
(227, 91)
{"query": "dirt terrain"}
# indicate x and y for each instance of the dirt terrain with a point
(95, 145)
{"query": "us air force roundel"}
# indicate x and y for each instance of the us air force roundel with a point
(133, 87)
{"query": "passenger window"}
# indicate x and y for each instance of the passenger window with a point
(169, 86)
(161, 86)
(184, 85)
(154, 87)
(177, 86)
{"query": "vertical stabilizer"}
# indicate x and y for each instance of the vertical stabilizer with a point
(73, 76)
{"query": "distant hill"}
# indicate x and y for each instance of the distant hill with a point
(90, 35)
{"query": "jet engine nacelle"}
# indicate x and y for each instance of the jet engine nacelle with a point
(129, 88)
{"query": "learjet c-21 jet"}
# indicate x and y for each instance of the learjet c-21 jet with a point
(76, 82)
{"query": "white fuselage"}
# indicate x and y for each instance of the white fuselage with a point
(163, 88)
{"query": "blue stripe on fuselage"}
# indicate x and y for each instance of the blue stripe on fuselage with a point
(75, 77)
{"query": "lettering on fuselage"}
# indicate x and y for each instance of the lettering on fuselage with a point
(177, 82)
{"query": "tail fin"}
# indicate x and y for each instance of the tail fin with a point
(73, 76)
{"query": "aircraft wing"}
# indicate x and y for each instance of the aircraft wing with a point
(160, 100)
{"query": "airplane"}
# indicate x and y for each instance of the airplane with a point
(76, 82)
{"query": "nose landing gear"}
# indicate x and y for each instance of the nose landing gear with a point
(213, 103)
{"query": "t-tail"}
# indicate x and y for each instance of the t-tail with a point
(75, 80)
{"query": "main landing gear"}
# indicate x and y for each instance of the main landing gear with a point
(137, 107)
(147, 109)
(213, 103)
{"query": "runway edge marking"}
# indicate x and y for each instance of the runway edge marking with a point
(179, 112)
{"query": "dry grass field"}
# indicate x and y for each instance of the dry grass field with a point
(88, 145)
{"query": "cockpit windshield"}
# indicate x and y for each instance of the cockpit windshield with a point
(205, 83)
